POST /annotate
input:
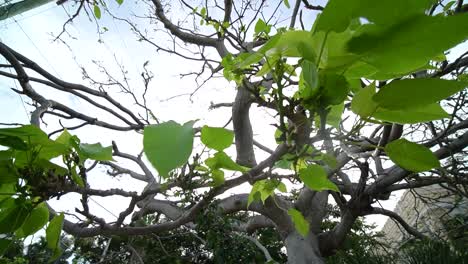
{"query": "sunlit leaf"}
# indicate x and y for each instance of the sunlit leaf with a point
(203, 12)
(309, 80)
(64, 138)
(362, 103)
(334, 88)
(411, 156)
(216, 138)
(218, 177)
(409, 45)
(96, 151)
(168, 145)
(37, 219)
(282, 187)
(413, 115)
(315, 177)
(411, 93)
(53, 231)
(263, 189)
(301, 225)
(97, 11)
(339, 13)
(334, 115)
(261, 26)
(298, 43)
(221, 160)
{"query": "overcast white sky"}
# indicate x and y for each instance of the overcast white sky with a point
(31, 34)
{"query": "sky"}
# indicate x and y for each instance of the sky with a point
(32, 34)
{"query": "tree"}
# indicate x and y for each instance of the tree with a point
(365, 104)
(212, 241)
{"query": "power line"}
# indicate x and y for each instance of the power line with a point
(21, 98)
(38, 50)
(107, 210)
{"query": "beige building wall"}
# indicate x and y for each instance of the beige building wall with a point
(426, 209)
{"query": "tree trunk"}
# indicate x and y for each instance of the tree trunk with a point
(303, 250)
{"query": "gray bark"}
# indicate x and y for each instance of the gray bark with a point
(303, 250)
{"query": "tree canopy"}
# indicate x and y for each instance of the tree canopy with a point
(363, 101)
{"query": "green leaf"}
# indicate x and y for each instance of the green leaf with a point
(254, 194)
(64, 138)
(279, 136)
(54, 230)
(261, 26)
(51, 149)
(309, 79)
(221, 160)
(339, 13)
(56, 254)
(286, 3)
(218, 177)
(38, 217)
(334, 46)
(334, 115)
(294, 44)
(329, 160)
(4, 245)
(26, 132)
(216, 138)
(168, 145)
(6, 191)
(13, 142)
(412, 116)
(263, 189)
(301, 225)
(362, 103)
(315, 178)
(283, 164)
(120, 2)
(97, 11)
(202, 168)
(411, 93)
(6, 155)
(409, 45)
(33, 136)
(203, 12)
(449, 5)
(411, 156)
(48, 165)
(12, 218)
(8, 173)
(298, 43)
(96, 152)
(334, 88)
(282, 187)
(76, 178)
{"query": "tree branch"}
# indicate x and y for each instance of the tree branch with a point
(398, 219)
